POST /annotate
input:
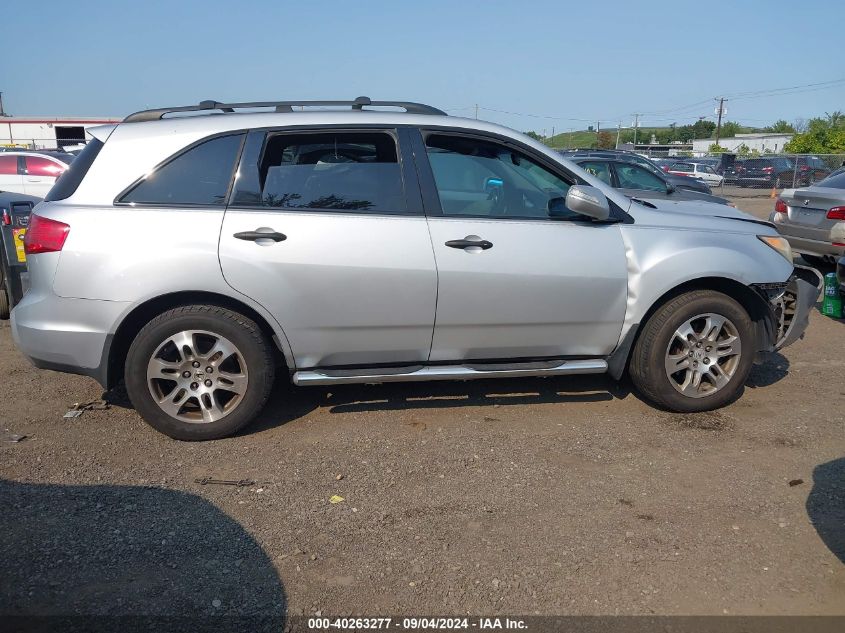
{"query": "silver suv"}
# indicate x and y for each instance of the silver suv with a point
(198, 252)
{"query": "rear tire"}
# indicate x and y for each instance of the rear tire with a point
(4, 304)
(199, 372)
(722, 361)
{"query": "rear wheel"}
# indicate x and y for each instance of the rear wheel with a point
(199, 372)
(4, 304)
(694, 353)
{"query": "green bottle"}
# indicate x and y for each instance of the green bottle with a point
(832, 303)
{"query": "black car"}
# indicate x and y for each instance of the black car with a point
(15, 209)
(768, 171)
(680, 182)
(637, 182)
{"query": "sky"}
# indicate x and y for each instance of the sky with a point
(531, 65)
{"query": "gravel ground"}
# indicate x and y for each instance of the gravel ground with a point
(533, 496)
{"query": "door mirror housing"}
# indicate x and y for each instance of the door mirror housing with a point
(586, 200)
(670, 188)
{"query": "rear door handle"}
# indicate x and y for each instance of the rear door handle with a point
(266, 234)
(482, 244)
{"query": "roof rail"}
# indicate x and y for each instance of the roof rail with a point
(280, 106)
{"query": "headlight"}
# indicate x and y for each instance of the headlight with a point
(779, 244)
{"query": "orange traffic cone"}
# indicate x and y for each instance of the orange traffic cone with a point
(774, 193)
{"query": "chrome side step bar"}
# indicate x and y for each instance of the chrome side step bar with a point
(447, 372)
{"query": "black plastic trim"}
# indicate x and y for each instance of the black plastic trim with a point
(618, 359)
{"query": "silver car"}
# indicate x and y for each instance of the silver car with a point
(199, 252)
(813, 219)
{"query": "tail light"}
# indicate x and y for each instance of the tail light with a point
(836, 213)
(7, 219)
(768, 170)
(780, 206)
(44, 235)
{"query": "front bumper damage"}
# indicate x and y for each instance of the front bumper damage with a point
(791, 307)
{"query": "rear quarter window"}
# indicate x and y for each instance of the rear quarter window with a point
(200, 175)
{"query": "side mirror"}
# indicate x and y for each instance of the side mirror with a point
(670, 188)
(586, 200)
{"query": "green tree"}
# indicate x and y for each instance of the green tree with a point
(824, 135)
(729, 129)
(703, 128)
(715, 148)
(605, 140)
(781, 127)
(534, 135)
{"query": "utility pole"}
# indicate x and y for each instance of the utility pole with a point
(598, 132)
(618, 132)
(476, 111)
(719, 120)
(2, 111)
(636, 129)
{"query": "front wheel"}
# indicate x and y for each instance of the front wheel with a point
(694, 353)
(199, 372)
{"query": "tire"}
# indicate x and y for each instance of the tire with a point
(4, 304)
(650, 359)
(5, 307)
(168, 362)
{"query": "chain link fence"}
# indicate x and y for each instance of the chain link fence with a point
(72, 145)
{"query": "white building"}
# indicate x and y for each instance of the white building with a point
(47, 132)
(761, 141)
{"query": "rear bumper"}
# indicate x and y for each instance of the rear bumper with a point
(791, 310)
(826, 242)
(67, 335)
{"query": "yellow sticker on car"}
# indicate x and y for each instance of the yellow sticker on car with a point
(18, 234)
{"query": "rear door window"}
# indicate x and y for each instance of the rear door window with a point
(199, 176)
(40, 166)
(355, 172)
(8, 165)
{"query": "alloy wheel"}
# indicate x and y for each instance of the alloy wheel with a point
(197, 376)
(703, 355)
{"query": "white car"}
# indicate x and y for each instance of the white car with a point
(32, 172)
(696, 170)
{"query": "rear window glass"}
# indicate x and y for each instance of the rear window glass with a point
(69, 181)
(836, 181)
(198, 176)
(338, 171)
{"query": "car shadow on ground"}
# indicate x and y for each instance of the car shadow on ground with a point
(826, 505)
(130, 558)
(769, 368)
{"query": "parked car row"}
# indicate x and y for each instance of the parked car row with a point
(32, 172)
(680, 182)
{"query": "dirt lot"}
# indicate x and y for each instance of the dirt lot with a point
(534, 496)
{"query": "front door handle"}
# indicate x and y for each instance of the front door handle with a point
(465, 243)
(261, 234)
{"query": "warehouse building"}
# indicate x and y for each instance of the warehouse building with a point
(47, 132)
(760, 141)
